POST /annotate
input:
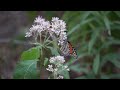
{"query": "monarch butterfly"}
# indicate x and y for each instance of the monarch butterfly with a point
(68, 49)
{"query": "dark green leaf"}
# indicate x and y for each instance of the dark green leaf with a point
(26, 70)
(53, 50)
(107, 24)
(111, 76)
(79, 69)
(112, 57)
(66, 74)
(91, 43)
(96, 64)
(31, 54)
(45, 61)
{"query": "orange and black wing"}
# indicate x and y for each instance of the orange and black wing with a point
(68, 49)
(72, 50)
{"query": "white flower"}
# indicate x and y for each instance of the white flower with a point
(60, 77)
(65, 67)
(58, 25)
(56, 69)
(59, 28)
(54, 19)
(52, 60)
(58, 66)
(35, 28)
(62, 38)
(68, 69)
(46, 25)
(41, 25)
(39, 20)
(57, 59)
(28, 34)
(60, 59)
(55, 28)
(50, 68)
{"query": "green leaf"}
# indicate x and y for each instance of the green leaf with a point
(107, 24)
(79, 69)
(96, 64)
(45, 61)
(75, 67)
(77, 26)
(93, 40)
(112, 57)
(90, 75)
(26, 70)
(65, 74)
(31, 54)
(117, 13)
(111, 76)
(109, 43)
(53, 50)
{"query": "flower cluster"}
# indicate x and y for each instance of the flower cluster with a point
(59, 28)
(56, 26)
(56, 66)
(39, 26)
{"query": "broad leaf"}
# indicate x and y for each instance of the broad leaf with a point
(26, 70)
(66, 74)
(31, 54)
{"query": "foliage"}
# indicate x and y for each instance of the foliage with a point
(26, 70)
(96, 37)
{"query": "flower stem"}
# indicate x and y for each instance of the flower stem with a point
(41, 63)
(41, 59)
(55, 75)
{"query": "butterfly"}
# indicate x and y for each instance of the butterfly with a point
(67, 49)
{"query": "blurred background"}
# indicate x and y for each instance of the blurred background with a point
(94, 34)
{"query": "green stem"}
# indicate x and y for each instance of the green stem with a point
(41, 59)
(55, 75)
(41, 63)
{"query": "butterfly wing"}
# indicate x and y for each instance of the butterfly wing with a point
(64, 49)
(67, 49)
(72, 51)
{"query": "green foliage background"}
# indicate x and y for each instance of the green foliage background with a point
(96, 37)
